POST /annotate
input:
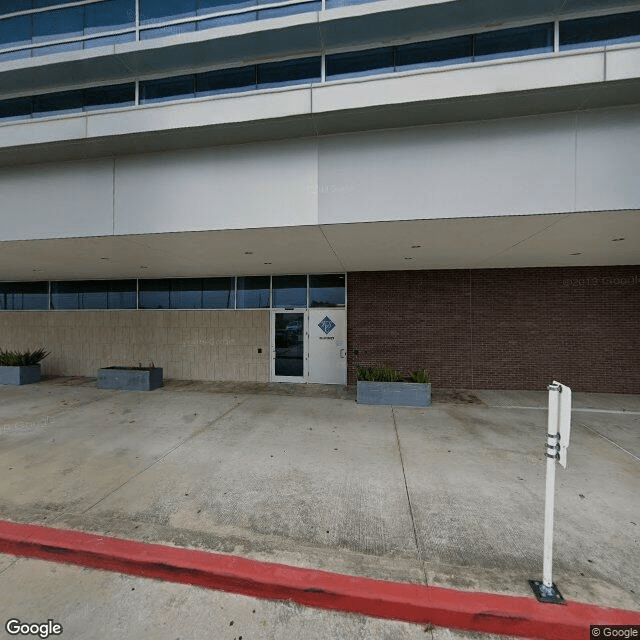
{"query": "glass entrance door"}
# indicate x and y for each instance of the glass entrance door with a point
(289, 362)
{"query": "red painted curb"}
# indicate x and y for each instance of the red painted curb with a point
(420, 604)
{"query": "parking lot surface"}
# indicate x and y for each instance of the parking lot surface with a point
(451, 495)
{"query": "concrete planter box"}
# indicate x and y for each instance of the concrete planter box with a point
(130, 379)
(20, 375)
(405, 394)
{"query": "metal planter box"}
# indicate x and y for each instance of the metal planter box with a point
(20, 375)
(130, 379)
(406, 394)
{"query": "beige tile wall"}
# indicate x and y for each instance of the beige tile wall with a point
(189, 345)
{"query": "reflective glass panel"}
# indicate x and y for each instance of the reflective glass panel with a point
(160, 10)
(109, 40)
(37, 4)
(9, 6)
(287, 72)
(24, 296)
(58, 24)
(435, 52)
(222, 21)
(225, 80)
(175, 88)
(121, 294)
(15, 55)
(327, 290)
(186, 293)
(508, 42)
(15, 32)
(54, 103)
(121, 95)
(218, 293)
(289, 10)
(289, 344)
(16, 109)
(622, 27)
(213, 6)
(57, 48)
(79, 295)
(154, 294)
(356, 63)
(289, 291)
(253, 292)
(109, 16)
(169, 30)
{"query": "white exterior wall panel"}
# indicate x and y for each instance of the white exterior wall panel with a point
(246, 186)
(560, 163)
(500, 167)
(57, 200)
(608, 151)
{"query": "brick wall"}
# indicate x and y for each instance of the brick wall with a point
(501, 328)
(200, 345)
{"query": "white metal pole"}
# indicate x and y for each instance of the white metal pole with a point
(552, 442)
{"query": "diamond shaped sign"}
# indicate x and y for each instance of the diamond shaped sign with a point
(327, 324)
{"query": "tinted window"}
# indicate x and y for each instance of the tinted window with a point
(16, 109)
(222, 21)
(218, 293)
(108, 40)
(160, 10)
(289, 10)
(37, 4)
(617, 28)
(23, 296)
(121, 95)
(57, 48)
(289, 72)
(212, 6)
(57, 24)
(226, 80)
(9, 6)
(436, 52)
(167, 89)
(52, 103)
(356, 63)
(15, 32)
(121, 294)
(169, 30)
(153, 294)
(327, 291)
(186, 293)
(289, 291)
(507, 42)
(109, 16)
(79, 295)
(253, 292)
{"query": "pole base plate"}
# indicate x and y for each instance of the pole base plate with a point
(550, 595)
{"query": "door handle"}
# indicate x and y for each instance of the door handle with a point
(342, 353)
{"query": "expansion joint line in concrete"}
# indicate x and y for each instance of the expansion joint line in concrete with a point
(615, 444)
(416, 603)
(195, 434)
(406, 488)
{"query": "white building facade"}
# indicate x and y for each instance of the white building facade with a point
(283, 191)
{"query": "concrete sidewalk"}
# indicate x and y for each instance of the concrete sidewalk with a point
(450, 496)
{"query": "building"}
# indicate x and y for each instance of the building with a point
(255, 190)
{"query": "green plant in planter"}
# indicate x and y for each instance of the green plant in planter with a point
(422, 376)
(379, 374)
(22, 358)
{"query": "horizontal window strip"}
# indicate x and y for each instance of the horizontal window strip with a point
(244, 292)
(502, 43)
(113, 96)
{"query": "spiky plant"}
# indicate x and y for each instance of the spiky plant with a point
(22, 358)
